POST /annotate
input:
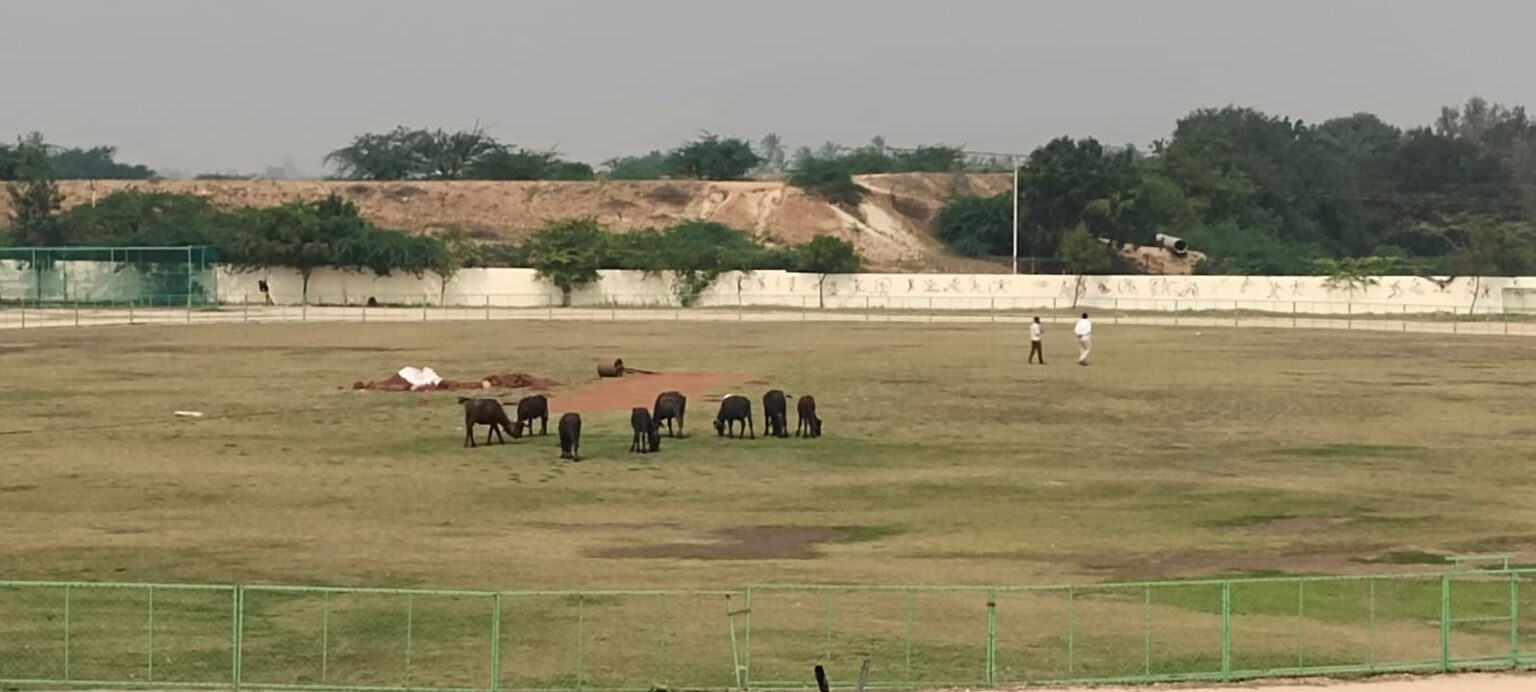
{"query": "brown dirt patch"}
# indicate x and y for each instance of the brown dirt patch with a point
(631, 390)
(740, 543)
(505, 380)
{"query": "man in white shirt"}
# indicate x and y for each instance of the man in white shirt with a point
(1084, 332)
(1034, 342)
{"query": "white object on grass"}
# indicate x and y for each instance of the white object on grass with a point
(424, 377)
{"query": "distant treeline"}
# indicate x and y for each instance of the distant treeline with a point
(1262, 194)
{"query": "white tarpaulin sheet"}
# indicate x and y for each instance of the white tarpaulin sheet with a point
(424, 377)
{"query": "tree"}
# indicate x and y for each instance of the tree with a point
(508, 163)
(96, 163)
(825, 255)
(652, 166)
(34, 194)
(567, 254)
(829, 179)
(713, 158)
(1058, 183)
(929, 159)
(1357, 273)
(450, 253)
(771, 150)
(7, 162)
(695, 253)
(309, 235)
(1084, 254)
(976, 226)
(451, 155)
(393, 155)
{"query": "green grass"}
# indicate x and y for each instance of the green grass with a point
(945, 461)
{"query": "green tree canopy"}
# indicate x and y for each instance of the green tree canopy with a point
(568, 254)
(713, 158)
(1084, 254)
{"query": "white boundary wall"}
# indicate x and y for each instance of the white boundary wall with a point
(520, 287)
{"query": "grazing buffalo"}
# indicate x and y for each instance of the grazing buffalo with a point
(670, 405)
(528, 409)
(734, 408)
(484, 412)
(806, 420)
(642, 423)
(570, 436)
(775, 414)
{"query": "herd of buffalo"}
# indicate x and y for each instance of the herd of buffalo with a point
(735, 410)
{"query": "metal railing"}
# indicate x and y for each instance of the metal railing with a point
(282, 637)
(748, 308)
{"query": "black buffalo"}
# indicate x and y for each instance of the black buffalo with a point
(530, 408)
(570, 436)
(642, 423)
(806, 421)
(484, 412)
(670, 405)
(734, 408)
(775, 414)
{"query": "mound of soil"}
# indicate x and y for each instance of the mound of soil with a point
(506, 380)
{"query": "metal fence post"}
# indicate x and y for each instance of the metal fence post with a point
(662, 668)
(991, 637)
(325, 637)
(66, 632)
(1146, 619)
(911, 611)
(77, 316)
(1514, 616)
(1226, 631)
(1071, 631)
(1301, 616)
(746, 654)
(487, 307)
(151, 674)
(737, 669)
(410, 617)
(495, 623)
(236, 629)
(581, 638)
(1372, 663)
(1445, 623)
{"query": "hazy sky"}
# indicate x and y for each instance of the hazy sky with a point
(206, 85)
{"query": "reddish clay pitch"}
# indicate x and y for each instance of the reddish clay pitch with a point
(633, 389)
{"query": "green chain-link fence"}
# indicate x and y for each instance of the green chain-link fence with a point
(108, 276)
(270, 637)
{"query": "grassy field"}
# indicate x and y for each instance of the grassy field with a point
(946, 460)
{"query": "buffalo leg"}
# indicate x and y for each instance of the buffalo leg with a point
(750, 430)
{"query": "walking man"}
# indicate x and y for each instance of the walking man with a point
(1034, 342)
(1084, 332)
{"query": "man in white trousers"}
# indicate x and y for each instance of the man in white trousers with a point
(1084, 332)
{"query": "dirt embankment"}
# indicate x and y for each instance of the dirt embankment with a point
(891, 229)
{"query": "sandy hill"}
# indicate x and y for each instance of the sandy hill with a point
(890, 229)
